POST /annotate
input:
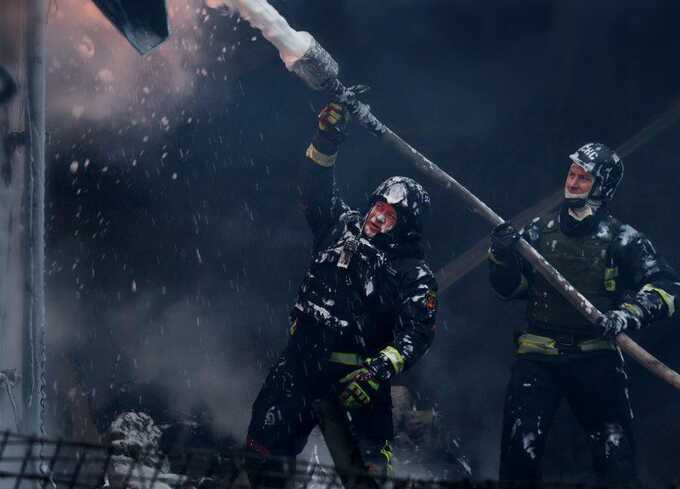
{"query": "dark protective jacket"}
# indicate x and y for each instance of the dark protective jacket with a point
(604, 259)
(363, 295)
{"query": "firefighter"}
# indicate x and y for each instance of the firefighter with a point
(559, 354)
(365, 312)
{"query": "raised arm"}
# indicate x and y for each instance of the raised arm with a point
(323, 206)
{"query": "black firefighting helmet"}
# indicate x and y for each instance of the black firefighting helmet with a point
(410, 200)
(604, 165)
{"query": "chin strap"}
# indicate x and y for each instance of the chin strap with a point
(580, 213)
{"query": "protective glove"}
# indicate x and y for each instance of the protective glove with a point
(637, 310)
(627, 317)
(361, 385)
(366, 381)
(333, 121)
(503, 239)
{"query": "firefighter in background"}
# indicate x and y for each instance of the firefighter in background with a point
(560, 355)
(364, 312)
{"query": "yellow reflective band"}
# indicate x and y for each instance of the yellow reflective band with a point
(293, 327)
(351, 359)
(380, 468)
(531, 343)
(610, 275)
(667, 298)
(596, 344)
(319, 158)
(395, 358)
(386, 451)
(633, 309)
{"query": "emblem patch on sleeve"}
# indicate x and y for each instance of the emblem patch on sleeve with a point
(431, 300)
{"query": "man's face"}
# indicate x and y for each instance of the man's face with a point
(381, 218)
(578, 182)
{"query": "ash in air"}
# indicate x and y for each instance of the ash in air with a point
(176, 242)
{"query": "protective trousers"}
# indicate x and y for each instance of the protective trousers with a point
(287, 410)
(595, 386)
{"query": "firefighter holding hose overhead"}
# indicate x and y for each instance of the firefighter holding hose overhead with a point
(365, 312)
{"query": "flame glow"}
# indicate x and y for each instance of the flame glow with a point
(95, 74)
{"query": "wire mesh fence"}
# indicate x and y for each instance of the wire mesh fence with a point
(28, 461)
(60, 463)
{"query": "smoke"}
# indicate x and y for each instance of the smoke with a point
(468, 386)
(477, 89)
(200, 358)
(96, 75)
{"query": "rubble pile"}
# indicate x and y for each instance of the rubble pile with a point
(137, 461)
